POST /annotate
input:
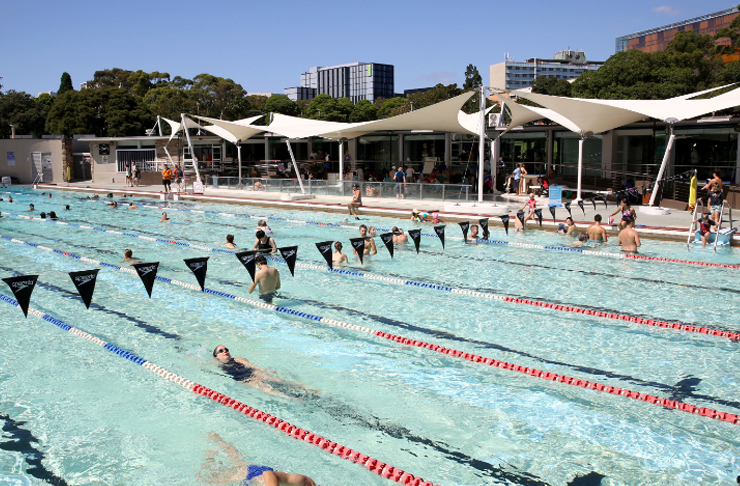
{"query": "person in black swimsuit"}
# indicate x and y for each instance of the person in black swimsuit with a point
(264, 243)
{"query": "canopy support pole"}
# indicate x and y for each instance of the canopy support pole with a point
(159, 124)
(666, 156)
(239, 156)
(580, 166)
(341, 161)
(295, 167)
(481, 142)
(190, 147)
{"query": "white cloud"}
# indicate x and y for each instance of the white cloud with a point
(666, 10)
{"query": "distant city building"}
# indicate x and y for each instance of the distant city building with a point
(657, 39)
(567, 64)
(356, 81)
(50, 93)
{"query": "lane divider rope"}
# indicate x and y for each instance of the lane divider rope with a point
(644, 397)
(369, 463)
(443, 288)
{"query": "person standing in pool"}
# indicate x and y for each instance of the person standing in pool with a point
(266, 277)
(628, 238)
(370, 248)
(31, 207)
(569, 228)
(128, 257)
(338, 257)
(398, 235)
(229, 242)
(596, 232)
(164, 218)
(264, 243)
(243, 473)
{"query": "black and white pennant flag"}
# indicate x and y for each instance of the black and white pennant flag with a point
(603, 198)
(520, 216)
(22, 287)
(325, 250)
(387, 239)
(593, 201)
(505, 221)
(199, 267)
(247, 259)
(464, 226)
(359, 246)
(567, 208)
(538, 213)
(147, 273)
(85, 284)
(440, 230)
(415, 235)
(580, 204)
(484, 226)
(290, 253)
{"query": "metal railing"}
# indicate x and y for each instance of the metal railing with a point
(369, 190)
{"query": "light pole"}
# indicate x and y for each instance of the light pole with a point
(412, 105)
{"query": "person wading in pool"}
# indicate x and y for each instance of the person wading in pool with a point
(264, 243)
(338, 257)
(229, 242)
(128, 257)
(266, 277)
(242, 472)
(370, 248)
(596, 232)
(628, 238)
(247, 373)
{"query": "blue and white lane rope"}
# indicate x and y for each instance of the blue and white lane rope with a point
(634, 395)
(346, 453)
(443, 288)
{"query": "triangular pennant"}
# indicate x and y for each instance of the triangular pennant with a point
(387, 239)
(290, 253)
(247, 259)
(520, 216)
(505, 220)
(603, 198)
(552, 211)
(593, 201)
(415, 235)
(199, 267)
(440, 230)
(85, 284)
(22, 287)
(580, 204)
(484, 226)
(147, 273)
(567, 208)
(464, 226)
(325, 250)
(538, 213)
(359, 245)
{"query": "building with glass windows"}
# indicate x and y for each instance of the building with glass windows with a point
(657, 39)
(567, 64)
(356, 81)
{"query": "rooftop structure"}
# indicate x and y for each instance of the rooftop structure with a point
(356, 81)
(566, 64)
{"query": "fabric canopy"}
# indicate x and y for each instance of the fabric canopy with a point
(522, 114)
(233, 131)
(471, 122)
(177, 126)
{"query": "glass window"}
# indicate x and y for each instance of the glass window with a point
(526, 148)
(378, 148)
(427, 147)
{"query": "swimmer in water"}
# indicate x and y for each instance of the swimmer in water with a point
(628, 238)
(10, 199)
(596, 232)
(128, 257)
(370, 248)
(398, 235)
(67, 208)
(131, 206)
(229, 242)
(264, 243)
(113, 205)
(53, 215)
(164, 218)
(241, 472)
(266, 277)
(249, 374)
(31, 208)
(338, 257)
(473, 233)
(262, 225)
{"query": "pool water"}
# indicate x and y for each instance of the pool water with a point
(85, 416)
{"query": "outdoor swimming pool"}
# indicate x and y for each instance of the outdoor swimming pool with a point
(98, 419)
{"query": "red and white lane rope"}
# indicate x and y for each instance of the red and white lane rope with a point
(373, 465)
(685, 407)
(444, 288)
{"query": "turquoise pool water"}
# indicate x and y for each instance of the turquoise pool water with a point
(98, 419)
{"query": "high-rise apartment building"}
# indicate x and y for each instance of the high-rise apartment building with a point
(567, 64)
(657, 39)
(356, 81)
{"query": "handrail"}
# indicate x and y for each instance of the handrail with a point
(719, 225)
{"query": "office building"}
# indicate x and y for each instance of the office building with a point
(657, 39)
(567, 64)
(356, 81)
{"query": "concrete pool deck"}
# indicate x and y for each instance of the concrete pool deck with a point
(672, 226)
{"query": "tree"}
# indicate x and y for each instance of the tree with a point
(472, 78)
(281, 104)
(22, 110)
(169, 102)
(325, 107)
(363, 111)
(136, 82)
(386, 107)
(66, 84)
(219, 97)
(552, 86)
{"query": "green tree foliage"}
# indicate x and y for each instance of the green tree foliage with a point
(325, 107)
(103, 112)
(135, 82)
(219, 97)
(363, 111)
(732, 34)
(169, 102)
(472, 78)
(281, 104)
(387, 106)
(550, 85)
(65, 84)
(22, 110)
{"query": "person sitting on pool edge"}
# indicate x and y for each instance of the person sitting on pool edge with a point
(266, 277)
(229, 242)
(243, 473)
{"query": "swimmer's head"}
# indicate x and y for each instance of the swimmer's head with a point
(43, 215)
(715, 186)
(230, 239)
(66, 207)
(260, 260)
(569, 220)
(259, 234)
(394, 229)
(31, 206)
(583, 237)
(629, 220)
(597, 218)
(338, 246)
(262, 222)
(128, 253)
(221, 352)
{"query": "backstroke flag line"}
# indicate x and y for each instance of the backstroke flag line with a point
(247, 259)
(464, 226)
(359, 245)
(199, 267)
(22, 287)
(580, 204)
(290, 253)
(387, 239)
(325, 250)
(520, 216)
(567, 207)
(505, 221)
(440, 230)
(538, 213)
(552, 211)
(415, 235)
(593, 201)
(85, 284)
(147, 273)
(484, 226)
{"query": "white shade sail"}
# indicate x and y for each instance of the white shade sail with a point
(177, 126)
(233, 131)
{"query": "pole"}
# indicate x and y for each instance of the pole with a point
(239, 156)
(341, 161)
(295, 167)
(580, 166)
(481, 142)
(666, 156)
(190, 147)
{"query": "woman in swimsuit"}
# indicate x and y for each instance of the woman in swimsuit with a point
(356, 200)
(627, 213)
(264, 243)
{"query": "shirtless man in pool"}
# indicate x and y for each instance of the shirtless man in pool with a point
(596, 232)
(628, 238)
(266, 277)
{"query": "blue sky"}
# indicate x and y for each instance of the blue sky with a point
(265, 46)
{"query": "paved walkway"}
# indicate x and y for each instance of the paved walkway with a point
(672, 226)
